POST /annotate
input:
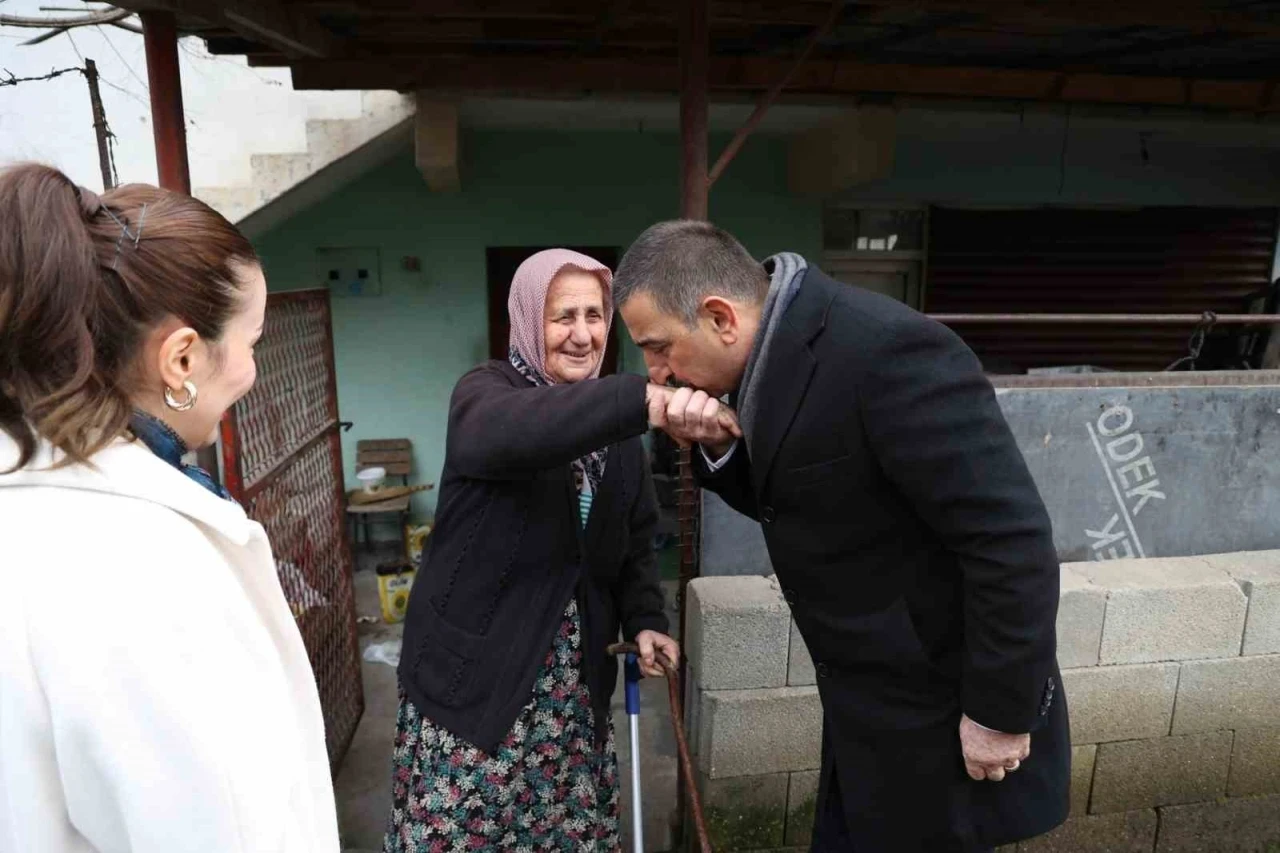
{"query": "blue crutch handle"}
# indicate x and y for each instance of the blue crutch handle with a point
(632, 670)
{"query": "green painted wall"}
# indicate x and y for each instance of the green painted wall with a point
(400, 353)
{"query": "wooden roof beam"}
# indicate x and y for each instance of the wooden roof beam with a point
(576, 76)
(266, 22)
(1190, 15)
(1195, 17)
(722, 11)
(1151, 47)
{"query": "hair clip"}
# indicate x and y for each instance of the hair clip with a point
(142, 218)
(125, 232)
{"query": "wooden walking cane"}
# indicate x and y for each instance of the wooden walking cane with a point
(632, 651)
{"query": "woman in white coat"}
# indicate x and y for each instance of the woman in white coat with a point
(155, 694)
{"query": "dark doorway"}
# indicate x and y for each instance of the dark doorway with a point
(501, 263)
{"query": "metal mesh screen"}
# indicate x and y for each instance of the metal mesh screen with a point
(290, 404)
(283, 461)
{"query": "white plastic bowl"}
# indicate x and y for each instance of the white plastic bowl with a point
(371, 479)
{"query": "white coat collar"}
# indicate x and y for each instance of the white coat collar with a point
(131, 470)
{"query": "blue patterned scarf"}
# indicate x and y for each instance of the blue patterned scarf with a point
(588, 471)
(161, 440)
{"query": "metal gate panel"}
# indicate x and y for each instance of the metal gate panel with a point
(1156, 260)
(282, 459)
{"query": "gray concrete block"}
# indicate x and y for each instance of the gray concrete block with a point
(1258, 573)
(1125, 832)
(1081, 608)
(692, 710)
(1262, 628)
(1247, 825)
(702, 738)
(1082, 759)
(800, 672)
(750, 732)
(1255, 763)
(1160, 772)
(1120, 702)
(746, 813)
(1167, 610)
(1227, 694)
(739, 632)
(802, 800)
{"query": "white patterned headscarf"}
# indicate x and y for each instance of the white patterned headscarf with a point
(527, 304)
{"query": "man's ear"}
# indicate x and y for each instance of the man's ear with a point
(723, 316)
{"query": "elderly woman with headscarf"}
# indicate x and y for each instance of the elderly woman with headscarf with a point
(542, 552)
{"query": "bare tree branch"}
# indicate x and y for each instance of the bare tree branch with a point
(105, 17)
(43, 37)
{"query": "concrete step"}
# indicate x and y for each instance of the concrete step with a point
(389, 107)
(273, 174)
(327, 140)
(234, 203)
(330, 138)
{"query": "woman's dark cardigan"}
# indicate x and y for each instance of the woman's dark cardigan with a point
(508, 550)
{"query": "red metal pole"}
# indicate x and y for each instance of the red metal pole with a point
(168, 121)
(695, 60)
(169, 125)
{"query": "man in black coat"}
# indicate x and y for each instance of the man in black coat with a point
(904, 527)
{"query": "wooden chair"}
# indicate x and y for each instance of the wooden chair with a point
(396, 456)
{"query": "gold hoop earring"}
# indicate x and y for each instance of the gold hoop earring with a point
(187, 404)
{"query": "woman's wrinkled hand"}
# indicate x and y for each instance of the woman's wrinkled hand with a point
(656, 399)
(651, 642)
(695, 417)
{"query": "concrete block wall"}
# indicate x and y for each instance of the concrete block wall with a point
(1171, 669)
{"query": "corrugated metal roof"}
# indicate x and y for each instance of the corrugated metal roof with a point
(1160, 260)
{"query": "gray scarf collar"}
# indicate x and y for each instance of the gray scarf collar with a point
(786, 270)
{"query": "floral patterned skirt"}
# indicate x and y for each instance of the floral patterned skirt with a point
(545, 789)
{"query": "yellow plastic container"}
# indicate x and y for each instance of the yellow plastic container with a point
(415, 540)
(394, 583)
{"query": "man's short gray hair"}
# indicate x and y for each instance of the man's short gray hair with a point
(681, 262)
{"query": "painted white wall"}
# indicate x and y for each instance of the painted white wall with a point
(232, 110)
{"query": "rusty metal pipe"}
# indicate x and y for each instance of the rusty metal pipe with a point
(168, 120)
(740, 138)
(695, 63)
(682, 745)
(169, 126)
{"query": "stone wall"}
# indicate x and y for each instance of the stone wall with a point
(1172, 673)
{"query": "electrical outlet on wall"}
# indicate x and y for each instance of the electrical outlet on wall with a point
(349, 270)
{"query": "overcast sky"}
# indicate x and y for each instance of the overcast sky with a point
(232, 110)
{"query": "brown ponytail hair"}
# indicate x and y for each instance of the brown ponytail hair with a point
(83, 278)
